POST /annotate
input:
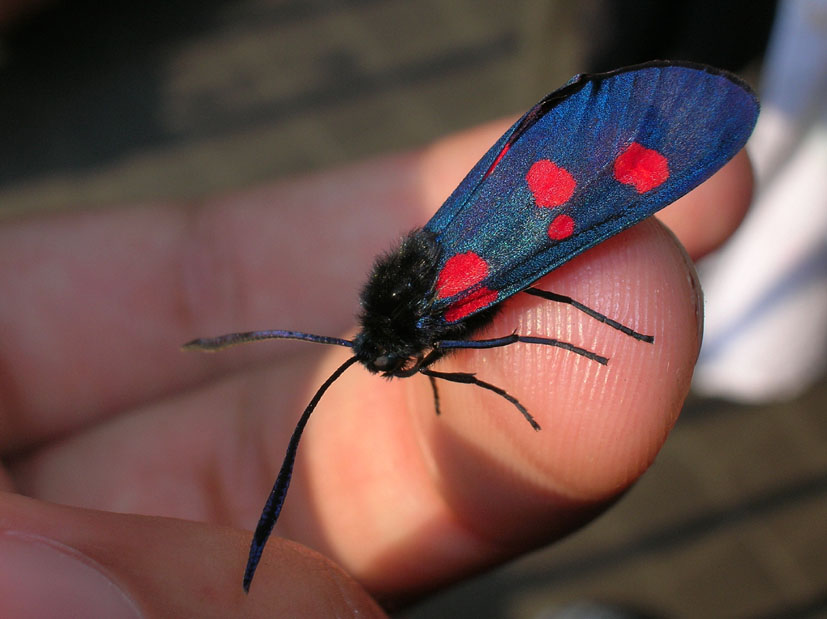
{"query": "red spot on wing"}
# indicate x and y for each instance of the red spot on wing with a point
(560, 228)
(642, 167)
(550, 184)
(460, 273)
(470, 304)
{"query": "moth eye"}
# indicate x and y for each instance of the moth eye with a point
(382, 362)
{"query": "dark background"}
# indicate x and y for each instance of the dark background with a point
(113, 103)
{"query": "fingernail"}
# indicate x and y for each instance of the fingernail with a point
(40, 577)
(697, 299)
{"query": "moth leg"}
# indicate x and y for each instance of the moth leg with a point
(435, 391)
(560, 298)
(507, 340)
(432, 357)
(469, 379)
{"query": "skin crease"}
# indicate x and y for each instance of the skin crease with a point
(101, 413)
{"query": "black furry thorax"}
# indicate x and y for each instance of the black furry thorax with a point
(399, 321)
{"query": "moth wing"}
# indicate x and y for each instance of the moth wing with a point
(588, 161)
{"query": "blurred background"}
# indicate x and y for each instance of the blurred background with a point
(107, 104)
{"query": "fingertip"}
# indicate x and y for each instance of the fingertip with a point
(601, 425)
(609, 421)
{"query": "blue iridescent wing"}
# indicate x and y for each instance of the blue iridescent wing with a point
(590, 160)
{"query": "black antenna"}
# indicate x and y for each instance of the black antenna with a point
(275, 501)
(212, 344)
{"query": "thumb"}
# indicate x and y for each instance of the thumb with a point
(59, 561)
(602, 425)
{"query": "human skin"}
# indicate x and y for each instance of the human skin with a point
(102, 417)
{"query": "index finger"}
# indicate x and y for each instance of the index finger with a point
(96, 304)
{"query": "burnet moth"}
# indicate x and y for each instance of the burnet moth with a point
(591, 159)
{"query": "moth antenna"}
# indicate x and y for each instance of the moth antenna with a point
(272, 508)
(212, 344)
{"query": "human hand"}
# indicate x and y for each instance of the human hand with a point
(101, 413)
